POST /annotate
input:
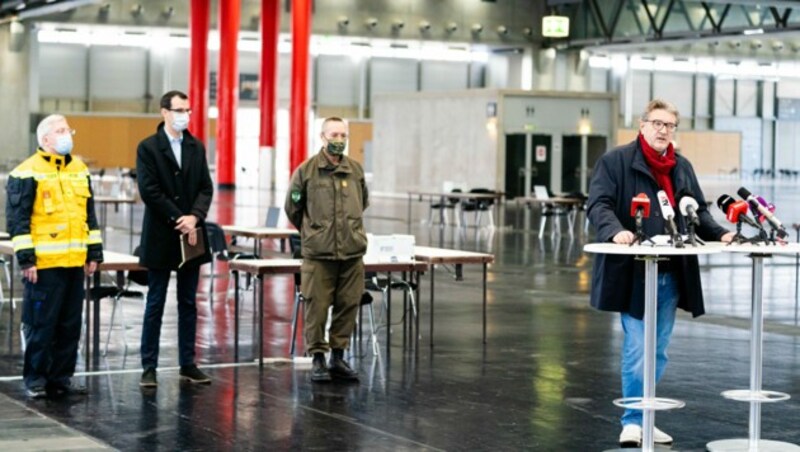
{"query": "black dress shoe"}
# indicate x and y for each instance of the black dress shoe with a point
(339, 368)
(61, 390)
(193, 375)
(319, 371)
(36, 392)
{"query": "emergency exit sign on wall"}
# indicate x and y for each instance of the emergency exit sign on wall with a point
(555, 26)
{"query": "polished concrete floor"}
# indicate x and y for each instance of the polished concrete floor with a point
(545, 380)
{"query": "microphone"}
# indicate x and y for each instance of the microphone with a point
(688, 207)
(640, 206)
(736, 210)
(753, 201)
(756, 213)
(669, 217)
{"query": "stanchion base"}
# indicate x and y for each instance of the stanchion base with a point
(657, 448)
(746, 395)
(743, 445)
(652, 404)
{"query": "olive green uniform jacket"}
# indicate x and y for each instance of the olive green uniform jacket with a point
(326, 204)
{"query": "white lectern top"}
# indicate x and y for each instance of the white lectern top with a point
(650, 250)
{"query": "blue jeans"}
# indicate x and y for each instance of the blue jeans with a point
(633, 345)
(157, 282)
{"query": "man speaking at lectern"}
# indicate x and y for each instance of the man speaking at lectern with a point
(647, 165)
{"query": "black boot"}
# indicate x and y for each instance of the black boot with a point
(339, 368)
(319, 371)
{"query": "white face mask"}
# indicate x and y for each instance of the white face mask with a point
(180, 121)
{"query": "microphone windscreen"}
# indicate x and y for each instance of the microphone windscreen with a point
(640, 201)
(723, 202)
(744, 193)
(685, 203)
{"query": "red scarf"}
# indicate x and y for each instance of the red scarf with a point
(660, 166)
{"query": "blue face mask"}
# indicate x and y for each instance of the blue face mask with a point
(64, 144)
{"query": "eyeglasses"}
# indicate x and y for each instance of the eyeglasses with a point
(658, 124)
(181, 110)
(64, 131)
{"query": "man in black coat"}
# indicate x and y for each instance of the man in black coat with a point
(646, 165)
(175, 185)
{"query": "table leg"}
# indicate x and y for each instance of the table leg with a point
(260, 284)
(485, 265)
(11, 258)
(87, 315)
(96, 324)
(754, 395)
(433, 271)
(650, 294)
(235, 274)
(388, 320)
(419, 312)
(756, 349)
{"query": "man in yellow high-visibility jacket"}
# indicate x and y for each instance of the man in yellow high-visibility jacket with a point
(52, 223)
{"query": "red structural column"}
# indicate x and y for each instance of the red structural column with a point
(267, 99)
(227, 91)
(199, 22)
(298, 110)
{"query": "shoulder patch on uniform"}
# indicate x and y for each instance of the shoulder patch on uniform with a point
(296, 195)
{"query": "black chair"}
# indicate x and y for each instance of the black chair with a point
(219, 251)
(117, 293)
(383, 285)
(478, 205)
(448, 204)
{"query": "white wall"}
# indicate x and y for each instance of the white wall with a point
(421, 140)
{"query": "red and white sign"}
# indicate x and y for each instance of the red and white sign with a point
(541, 153)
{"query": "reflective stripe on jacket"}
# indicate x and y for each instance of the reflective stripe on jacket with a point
(50, 212)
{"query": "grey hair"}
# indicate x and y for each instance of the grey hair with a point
(45, 125)
(661, 104)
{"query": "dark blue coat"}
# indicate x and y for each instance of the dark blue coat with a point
(618, 280)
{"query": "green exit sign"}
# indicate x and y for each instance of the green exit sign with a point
(555, 26)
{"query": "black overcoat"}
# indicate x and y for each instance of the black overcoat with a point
(170, 191)
(618, 280)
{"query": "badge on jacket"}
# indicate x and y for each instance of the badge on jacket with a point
(296, 196)
(47, 200)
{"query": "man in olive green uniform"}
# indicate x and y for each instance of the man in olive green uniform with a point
(326, 202)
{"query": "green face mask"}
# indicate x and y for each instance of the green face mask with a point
(336, 147)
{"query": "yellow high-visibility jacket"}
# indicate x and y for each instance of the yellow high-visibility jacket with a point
(50, 212)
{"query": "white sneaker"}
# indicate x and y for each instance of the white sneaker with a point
(631, 436)
(660, 437)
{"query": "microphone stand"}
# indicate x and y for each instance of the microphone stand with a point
(693, 239)
(640, 237)
(740, 239)
(772, 240)
(674, 236)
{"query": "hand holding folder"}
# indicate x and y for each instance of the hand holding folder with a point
(189, 250)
